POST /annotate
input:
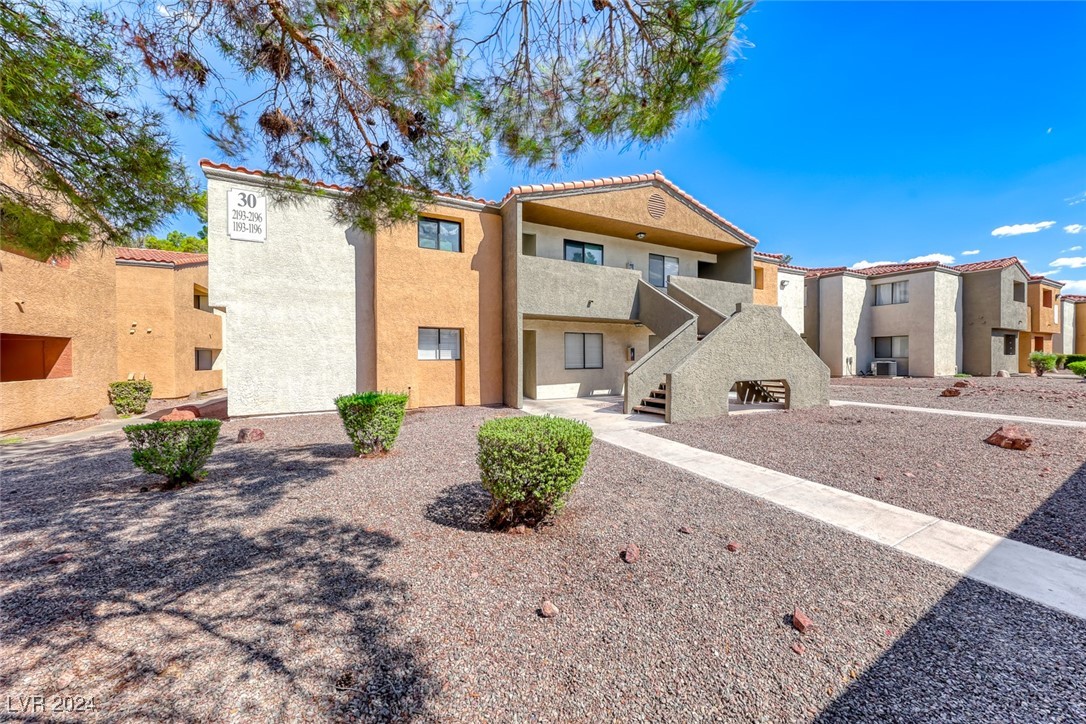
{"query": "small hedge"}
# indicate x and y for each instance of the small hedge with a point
(175, 449)
(529, 465)
(129, 397)
(372, 419)
(1041, 362)
(1079, 368)
(1071, 358)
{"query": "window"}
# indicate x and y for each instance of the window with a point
(204, 359)
(439, 343)
(584, 351)
(1046, 298)
(1038, 344)
(892, 293)
(584, 252)
(759, 278)
(439, 234)
(1010, 344)
(1019, 292)
(889, 347)
(660, 268)
(199, 299)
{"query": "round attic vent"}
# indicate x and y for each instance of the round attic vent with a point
(657, 206)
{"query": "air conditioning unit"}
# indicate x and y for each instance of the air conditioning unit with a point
(884, 368)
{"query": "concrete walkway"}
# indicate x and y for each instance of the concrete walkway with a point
(1051, 579)
(45, 444)
(965, 413)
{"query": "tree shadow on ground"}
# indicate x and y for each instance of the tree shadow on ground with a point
(149, 586)
(462, 507)
(981, 654)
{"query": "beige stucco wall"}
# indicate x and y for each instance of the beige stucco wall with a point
(844, 324)
(790, 298)
(1080, 328)
(553, 381)
(766, 293)
(947, 327)
(78, 302)
(1064, 341)
(417, 287)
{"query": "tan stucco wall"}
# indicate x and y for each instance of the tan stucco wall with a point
(553, 381)
(1042, 318)
(1080, 328)
(78, 302)
(159, 329)
(419, 287)
(767, 294)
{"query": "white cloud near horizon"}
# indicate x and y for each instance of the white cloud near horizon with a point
(1069, 262)
(865, 264)
(1018, 229)
(1073, 286)
(941, 258)
(971, 252)
(1074, 228)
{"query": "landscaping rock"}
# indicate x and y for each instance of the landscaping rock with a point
(58, 559)
(250, 434)
(799, 648)
(1010, 437)
(1003, 373)
(685, 530)
(548, 610)
(964, 384)
(109, 412)
(631, 553)
(176, 415)
(520, 529)
(733, 547)
(951, 392)
(189, 408)
(800, 621)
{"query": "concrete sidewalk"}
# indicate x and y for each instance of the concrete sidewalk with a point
(44, 444)
(1051, 579)
(965, 413)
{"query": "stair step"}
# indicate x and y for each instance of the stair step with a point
(654, 402)
(649, 410)
(658, 394)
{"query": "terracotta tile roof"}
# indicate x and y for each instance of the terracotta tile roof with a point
(654, 177)
(768, 255)
(823, 270)
(1076, 298)
(987, 265)
(884, 269)
(207, 163)
(176, 258)
(1045, 280)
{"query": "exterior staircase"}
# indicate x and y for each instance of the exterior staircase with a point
(655, 403)
(755, 391)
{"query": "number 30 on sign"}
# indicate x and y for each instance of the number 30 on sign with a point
(247, 215)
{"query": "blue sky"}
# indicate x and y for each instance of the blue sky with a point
(881, 131)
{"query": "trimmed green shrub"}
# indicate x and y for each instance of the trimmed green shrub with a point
(1068, 359)
(129, 397)
(1079, 368)
(1041, 362)
(175, 449)
(530, 464)
(963, 374)
(372, 419)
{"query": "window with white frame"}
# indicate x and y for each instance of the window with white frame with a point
(435, 343)
(584, 351)
(891, 293)
(660, 268)
(888, 347)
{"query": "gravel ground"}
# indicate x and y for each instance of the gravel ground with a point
(75, 425)
(299, 582)
(935, 464)
(1061, 396)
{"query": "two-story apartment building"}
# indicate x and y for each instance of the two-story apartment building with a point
(623, 286)
(996, 311)
(1043, 301)
(779, 284)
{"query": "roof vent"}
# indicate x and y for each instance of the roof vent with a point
(657, 206)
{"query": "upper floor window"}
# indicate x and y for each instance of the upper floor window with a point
(892, 293)
(439, 343)
(1019, 292)
(660, 268)
(1046, 297)
(199, 298)
(439, 234)
(759, 278)
(584, 252)
(891, 347)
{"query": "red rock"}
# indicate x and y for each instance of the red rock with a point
(190, 408)
(177, 415)
(910, 475)
(799, 648)
(733, 547)
(548, 610)
(964, 383)
(800, 621)
(250, 434)
(1011, 437)
(58, 559)
(520, 529)
(631, 553)
(685, 530)
(951, 392)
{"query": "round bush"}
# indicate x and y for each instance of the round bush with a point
(372, 419)
(1041, 362)
(530, 464)
(129, 397)
(175, 449)
(1079, 368)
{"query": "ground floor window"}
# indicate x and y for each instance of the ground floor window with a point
(891, 347)
(660, 268)
(205, 358)
(1010, 344)
(435, 343)
(30, 357)
(1038, 344)
(584, 351)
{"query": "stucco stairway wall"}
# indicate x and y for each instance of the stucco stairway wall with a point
(755, 343)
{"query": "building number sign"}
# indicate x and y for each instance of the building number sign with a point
(247, 216)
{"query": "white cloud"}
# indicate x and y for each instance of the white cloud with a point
(1073, 286)
(1070, 262)
(1074, 228)
(1076, 199)
(1070, 248)
(941, 258)
(1017, 229)
(866, 264)
(971, 252)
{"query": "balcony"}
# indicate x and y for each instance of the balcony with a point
(554, 288)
